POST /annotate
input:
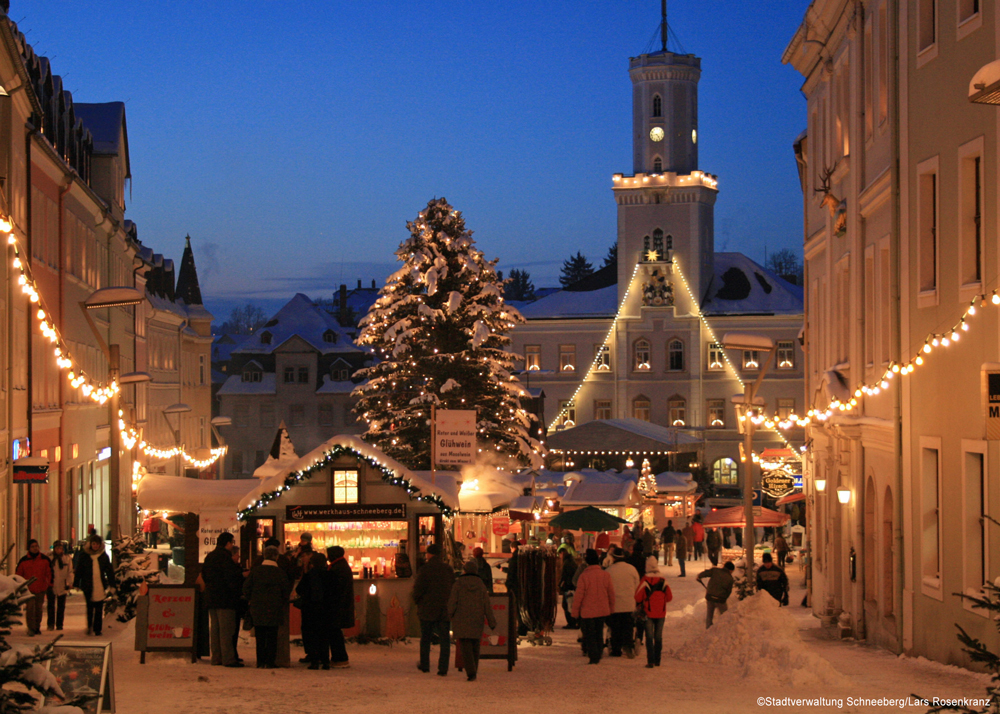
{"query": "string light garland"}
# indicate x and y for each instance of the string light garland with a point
(389, 476)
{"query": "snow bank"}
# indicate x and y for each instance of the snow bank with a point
(760, 641)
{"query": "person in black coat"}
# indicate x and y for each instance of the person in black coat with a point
(567, 587)
(316, 614)
(223, 580)
(431, 590)
(267, 589)
(483, 569)
(94, 562)
(339, 601)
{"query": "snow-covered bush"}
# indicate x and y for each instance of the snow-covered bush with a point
(134, 568)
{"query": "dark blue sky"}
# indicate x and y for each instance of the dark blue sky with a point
(293, 139)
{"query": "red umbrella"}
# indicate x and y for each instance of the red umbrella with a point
(735, 518)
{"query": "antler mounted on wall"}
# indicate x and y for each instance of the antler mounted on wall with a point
(830, 201)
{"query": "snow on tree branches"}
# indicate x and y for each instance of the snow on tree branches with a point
(134, 568)
(438, 331)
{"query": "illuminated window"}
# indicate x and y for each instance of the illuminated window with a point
(678, 411)
(603, 354)
(786, 354)
(567, 358)
(345, 486)
(640, 408)
(641, 362)
(567, 412)
(726, 472)
(675, 355)
(751, 359)
(602, 408)
(532, 357)
(785, 408)
(715, 358)
(716, 413)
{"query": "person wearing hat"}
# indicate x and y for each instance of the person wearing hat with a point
(772, 579)
(653, 594)
(625, 580)
(468, 607)
(485, 572)
(593, 602)
(223, 586)
(62, 581)
(95, 577)
(35, 565)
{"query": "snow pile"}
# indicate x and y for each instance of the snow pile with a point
(760, 641)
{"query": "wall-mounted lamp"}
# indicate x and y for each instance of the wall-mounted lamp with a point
(820, 484)
(843, 494)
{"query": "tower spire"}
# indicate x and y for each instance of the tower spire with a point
(663, 24)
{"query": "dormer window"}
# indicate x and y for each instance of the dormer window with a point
(657, 106)
(252, 374)
(265, 338)
(330, 337)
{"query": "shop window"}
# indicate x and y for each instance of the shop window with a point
(567, 358)
(678, 411)
(603, 358)
(716, 413)
(715, 357)
(641, 356)
(602, 408)
(640, 409)
(726, 472)
(532, 357)
(675, 356)
(786, 354)
(345, 486)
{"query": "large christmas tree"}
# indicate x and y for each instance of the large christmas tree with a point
(438, 331)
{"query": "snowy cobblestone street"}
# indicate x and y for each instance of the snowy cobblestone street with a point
(552, 678)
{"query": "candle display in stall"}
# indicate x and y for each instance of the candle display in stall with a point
(367, 544)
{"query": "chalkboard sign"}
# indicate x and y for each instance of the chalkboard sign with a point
(499, 642)
(166, 620)
(85, 669)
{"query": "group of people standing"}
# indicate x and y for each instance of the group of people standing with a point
(260, 597)
(52, 577)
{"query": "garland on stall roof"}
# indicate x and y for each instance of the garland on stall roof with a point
(389, 476)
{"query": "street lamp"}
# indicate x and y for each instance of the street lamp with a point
(133, 378)
(755, 343)
(178, 408)
(217, 422)
(99, 299)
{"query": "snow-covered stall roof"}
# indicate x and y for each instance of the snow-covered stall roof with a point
(189, 495)
(597, 488)
(303, 318)
(236, 385)
(740, 286)
(482, 489)
(626, 435)
(573, 304)
(675, 482)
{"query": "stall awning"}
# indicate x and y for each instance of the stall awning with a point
(791, 498)
(189, 495)
(734, 518)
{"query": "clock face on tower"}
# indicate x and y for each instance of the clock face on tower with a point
(656, 134)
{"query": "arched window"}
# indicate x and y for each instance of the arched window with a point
(658, 243)
(646, 245)
(726, 472)
(640, 408)
(668, 243)
(657, 165)
(641, 355)
(265, 338)
(677, 410)
(675, 355)
(657, 106)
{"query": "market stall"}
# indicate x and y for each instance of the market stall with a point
(735, 517)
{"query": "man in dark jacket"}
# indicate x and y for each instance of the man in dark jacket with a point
(713, 541)
(431, 590)
(667, 538)
(718, 590)
(468, 607)
(483, 569)
(772, 579)
(567, 586)
(223, 584)
(95, 577)
(340, 591)
(38, 566)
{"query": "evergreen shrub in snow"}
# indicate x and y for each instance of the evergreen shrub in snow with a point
(134, 568)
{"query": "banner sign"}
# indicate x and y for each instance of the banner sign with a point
(31, 469)
(211, 525)
(166, 618)
(348, 512)
(84, 669)
(455, 436)
(991, 392)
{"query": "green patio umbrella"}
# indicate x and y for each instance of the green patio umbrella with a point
(587, 519)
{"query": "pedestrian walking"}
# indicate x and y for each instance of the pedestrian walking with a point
(689, 539)
(468, 608)
(267, 589)
(151, 529)
(315, 611)
(653, 594)
(699, 538)
(718, 590)
(624, 580)
(223, 581)
(713, 542)
(567, 587)
(667, 539)
(62, 581)
(648, 542)
(593, 602)
(35, 564)
(95, 577)
(485, 571)
(681, 547)
(781, 549)
(772, 579)
(339, 594)
(431, 590)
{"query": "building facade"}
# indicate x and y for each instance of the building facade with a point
(641, 339)
(899, 174)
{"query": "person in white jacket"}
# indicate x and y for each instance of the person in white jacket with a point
(62, 582)
(625, 580)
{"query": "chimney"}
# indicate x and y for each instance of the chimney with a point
(343, 304)
(373, 283)
(359, 283)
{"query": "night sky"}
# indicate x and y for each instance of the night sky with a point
(293, 139)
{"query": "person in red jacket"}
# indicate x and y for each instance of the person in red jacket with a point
(699, 538)
(35, 565)
(593, 602)
(654, 594)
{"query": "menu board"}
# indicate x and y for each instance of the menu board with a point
(500, 642)
(166, 618)
(85, 669)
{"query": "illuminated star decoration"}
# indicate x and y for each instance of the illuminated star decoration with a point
(652, 256)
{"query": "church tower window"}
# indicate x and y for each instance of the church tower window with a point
(646, 247)
(658, 244)
(657, 165)
(657, 106)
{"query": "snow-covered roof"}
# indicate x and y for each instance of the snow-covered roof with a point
(482, 488)
(223, 345)
(236, 385)
(105, 122)
(675, 482)
(740, 286)
(574, 304)
(626, 435)
(191, 495)
(178, 307)
(300, 317)
(335, 386)
(600, 488)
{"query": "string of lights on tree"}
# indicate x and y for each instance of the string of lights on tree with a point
(389, 476)
(98, 392)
